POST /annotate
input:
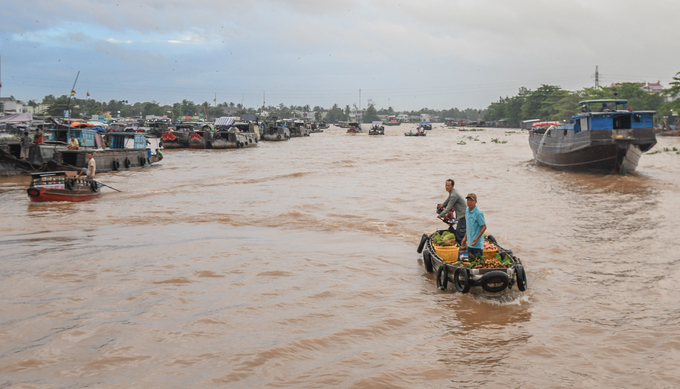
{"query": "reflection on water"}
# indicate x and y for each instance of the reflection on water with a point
(293, 265)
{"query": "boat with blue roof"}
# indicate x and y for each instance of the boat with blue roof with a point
(604, 136)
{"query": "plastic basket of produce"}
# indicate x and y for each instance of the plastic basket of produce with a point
(490, 250)
(447, 253)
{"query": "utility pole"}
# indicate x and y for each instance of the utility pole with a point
(597, 78)
(263, 100)
(359, 113)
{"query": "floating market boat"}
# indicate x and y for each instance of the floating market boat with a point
(61, 186)
(354, 128)
(125, 150)
(499, 270)
(177, 138)
(426, 125)
(297, 128)
(377, 128)
(604, 136)
(276, 133)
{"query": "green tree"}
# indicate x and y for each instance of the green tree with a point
(371, 114)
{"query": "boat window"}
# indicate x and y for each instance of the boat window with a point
(621, 122)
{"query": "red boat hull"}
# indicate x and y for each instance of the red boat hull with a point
(45, 195)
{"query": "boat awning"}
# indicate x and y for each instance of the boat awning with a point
(22, 117)
(225, 121)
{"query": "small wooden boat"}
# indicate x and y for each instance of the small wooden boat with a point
(61, 186)
(458, 271)
(377, 129)
(417, 133)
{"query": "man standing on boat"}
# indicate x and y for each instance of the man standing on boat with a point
(91, 168)
(476, 225)
(25, 146)
(455, 202)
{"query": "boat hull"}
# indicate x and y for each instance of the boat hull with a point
(608, 151)
(76, 195)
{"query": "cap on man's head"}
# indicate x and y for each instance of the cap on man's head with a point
(471, 196)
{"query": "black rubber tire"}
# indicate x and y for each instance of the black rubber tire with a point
(278, 136)
(491, 239)
(33, 192)
(427, 261)
(442, 277)
(127, 163)
(68, 184)
(463, 287)
(116, 164)
(423, 240)
(93, 185)
(142, 161)
(521, 278)
(495, 277)
(250, 140)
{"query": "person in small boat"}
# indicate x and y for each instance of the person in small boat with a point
(453, 202)
(73, 144)
(25, 146)
(605, 108)
(476, 226)
(91, 168)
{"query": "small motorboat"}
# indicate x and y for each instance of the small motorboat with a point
(497, 271)
(354, 128)
(419, 132)
(62, 186)
(377, 129)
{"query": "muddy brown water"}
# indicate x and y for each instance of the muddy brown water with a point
(294, 265)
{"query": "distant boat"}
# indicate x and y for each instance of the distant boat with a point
(604, 136)
(354, 128)
(392, 122)
(377, 128)
(426, 125)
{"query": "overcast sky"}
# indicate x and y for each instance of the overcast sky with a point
(409, 54)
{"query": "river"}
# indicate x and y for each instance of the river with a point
(294, 264)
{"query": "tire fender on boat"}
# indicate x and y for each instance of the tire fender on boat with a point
(278, 136)
(461, 280)
(442, 277)
(494, 277)
(427, 260)
(142, 161)
(116, 164)
(68, 183)
(521, 278)
(423, 239)
(33, 192)
(127, 163)
(93, 185)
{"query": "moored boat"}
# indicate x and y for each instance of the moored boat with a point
(276, 133)
(177, 138)
(604, 137)
(61, 186)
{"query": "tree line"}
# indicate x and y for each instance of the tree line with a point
(87, 107)
(551, 102)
